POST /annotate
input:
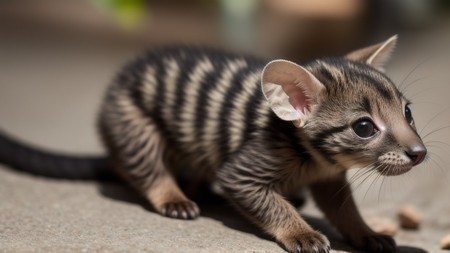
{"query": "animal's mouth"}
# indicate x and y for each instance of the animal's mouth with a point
(394, 170)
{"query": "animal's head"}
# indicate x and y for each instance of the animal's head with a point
(348, 109)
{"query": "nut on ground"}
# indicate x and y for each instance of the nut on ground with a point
(383, 225)
(409, 217)
(445, 242)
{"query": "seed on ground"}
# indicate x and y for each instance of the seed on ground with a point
(445, 242)
(409, 217)
(383, 225)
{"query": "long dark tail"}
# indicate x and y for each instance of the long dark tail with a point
(32, 160)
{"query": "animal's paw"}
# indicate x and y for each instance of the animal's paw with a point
(306, 242)
(181, 210)
(374, 242)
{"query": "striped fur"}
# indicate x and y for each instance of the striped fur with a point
(180, 111)
(256, 131)
(202, 113)
(197, 112)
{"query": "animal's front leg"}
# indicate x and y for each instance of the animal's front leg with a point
(248, 189)
(335, 198)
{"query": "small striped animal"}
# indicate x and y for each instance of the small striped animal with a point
(258, 131)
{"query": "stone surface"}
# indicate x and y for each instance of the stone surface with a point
(49, 95)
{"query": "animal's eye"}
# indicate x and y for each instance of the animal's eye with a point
(364, 128)
(408, 115)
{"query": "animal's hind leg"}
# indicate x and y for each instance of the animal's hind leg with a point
(138, 147)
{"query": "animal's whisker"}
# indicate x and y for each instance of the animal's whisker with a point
(413, 96)
(441, 148)
(418, 65)
(366, 175)
(356, 175)
(361, 173)
(437, 141)
(437, 164)
(433, 118)
(382, 167)
(415, 81)
(435, 131)
(383, 178)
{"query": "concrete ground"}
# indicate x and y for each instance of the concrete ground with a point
(49, 95)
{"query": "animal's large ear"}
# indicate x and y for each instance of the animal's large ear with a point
(292, 91)
(375, 55)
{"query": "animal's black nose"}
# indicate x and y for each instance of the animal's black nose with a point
(416, 153)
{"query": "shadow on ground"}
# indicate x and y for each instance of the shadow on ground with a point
(219, 209)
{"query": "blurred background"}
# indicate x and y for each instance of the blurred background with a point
(298, 29)
(58, 56)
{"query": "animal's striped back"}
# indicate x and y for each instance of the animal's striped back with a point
(206, 103)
